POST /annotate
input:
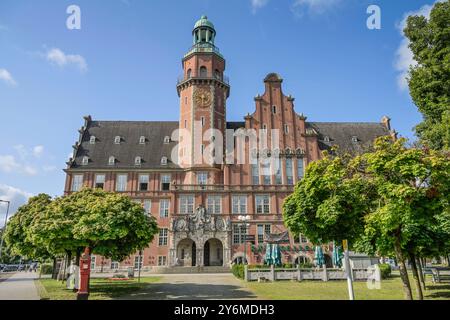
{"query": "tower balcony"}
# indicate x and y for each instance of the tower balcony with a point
(206, 77)
(203, 47)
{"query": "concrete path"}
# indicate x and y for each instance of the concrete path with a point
(194, 287)
(20, 286)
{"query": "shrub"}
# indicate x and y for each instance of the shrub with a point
(46, 268)
(238, 271)
(288, 265)
(385, 270)
(306, 265)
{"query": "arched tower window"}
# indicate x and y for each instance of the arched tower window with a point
(203, 72)
(189, 73)
(217, 74)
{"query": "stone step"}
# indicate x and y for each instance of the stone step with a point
(184, 270)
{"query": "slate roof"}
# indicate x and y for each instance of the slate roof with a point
(155, 132)
(341, 134)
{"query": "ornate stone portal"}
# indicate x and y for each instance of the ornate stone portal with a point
(199, 227)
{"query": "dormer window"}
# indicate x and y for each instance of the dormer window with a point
(166, 140)
(112, 161)
(85, 161)
(164, 161)
(137, 161)
(117, 140)
(92, 140)
(142, 140)
(354, 139)
(326, 139)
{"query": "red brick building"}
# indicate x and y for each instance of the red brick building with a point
(197, 202)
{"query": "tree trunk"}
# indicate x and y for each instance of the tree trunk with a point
(77, 257)
(69, 262)
(416, 275)
(403, 271)
(54, 271)
(421, 275)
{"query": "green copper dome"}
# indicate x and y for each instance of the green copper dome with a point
(204, 22)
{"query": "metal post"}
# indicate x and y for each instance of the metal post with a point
(4, 227)
(348, 271)
(139, 266)
(245, 244)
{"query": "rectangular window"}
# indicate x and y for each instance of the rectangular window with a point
(164, 205)
(202, 178)
(143, 182)
(186, 204)
(214, 204)
(239, 232)
(77, 182)
(303, 239)
(262, 230)
(278, 176)
(138, 262)
(99, 181)
(262, 203)
(286, 129)
(121, 184)
(163, 237)
(165, 182)
(114, 265)
(148, 206)
(162, 260)
(255, 174)
(266, 172)
(289, 172)
(239, 204)
(300, 169)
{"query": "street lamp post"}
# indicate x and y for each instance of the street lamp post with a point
(4, 226)
(245, 224)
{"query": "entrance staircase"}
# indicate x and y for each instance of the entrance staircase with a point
(188, 270)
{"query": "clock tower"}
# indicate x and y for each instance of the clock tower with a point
(203, 90)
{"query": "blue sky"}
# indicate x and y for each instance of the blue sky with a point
(124, 62)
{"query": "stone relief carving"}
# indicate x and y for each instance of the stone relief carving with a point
(200, 220)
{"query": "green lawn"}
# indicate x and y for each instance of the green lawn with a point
(391, 289)
(101, 289)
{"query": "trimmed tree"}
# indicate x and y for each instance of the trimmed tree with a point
(381, 201)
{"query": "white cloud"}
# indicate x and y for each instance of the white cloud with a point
(8, 164)
(6, 77)
(299, 7)
(58, 57)
(258, 4)
(17, 198)
(38, 151)
(404, 58)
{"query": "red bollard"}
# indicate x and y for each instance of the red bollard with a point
(85, 270)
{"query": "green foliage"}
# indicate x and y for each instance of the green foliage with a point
(429, 81)
(238, 270)
(306, 265)
(330, 201)
(110, 224)
(46, 268)
(19, 231)
(385, 270)
(392, 200)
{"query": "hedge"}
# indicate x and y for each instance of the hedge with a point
(46, 268)
(385, 270)
(238, 270)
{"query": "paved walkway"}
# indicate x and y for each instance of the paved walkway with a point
(20, 286)
(194, 287)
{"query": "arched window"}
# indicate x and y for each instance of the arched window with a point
(142, 140)
(189, 73)
(274, 109)
(92, 140)
(203, 72)
(137, 161)
(85, 161)
(111, 161)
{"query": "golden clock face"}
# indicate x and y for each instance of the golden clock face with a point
(202, 97)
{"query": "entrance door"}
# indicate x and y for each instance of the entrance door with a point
(206, 254)
(194, 254)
